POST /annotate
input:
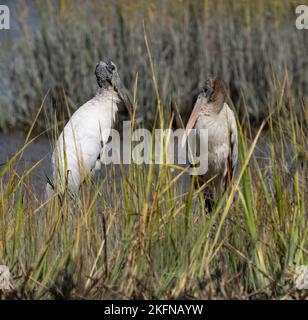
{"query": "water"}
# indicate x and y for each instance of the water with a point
(39, 150)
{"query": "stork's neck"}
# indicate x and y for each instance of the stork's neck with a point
(108, 93)
(212, 108)
(215, 105)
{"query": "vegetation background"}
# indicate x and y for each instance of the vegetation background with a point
(250, 44)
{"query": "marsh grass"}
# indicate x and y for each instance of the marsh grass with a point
(142, 231)
(138, 233)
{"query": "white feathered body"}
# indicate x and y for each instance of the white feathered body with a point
(78, 148)
(222, 144)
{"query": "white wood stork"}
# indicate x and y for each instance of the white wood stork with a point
(212, 113)
(78, 149)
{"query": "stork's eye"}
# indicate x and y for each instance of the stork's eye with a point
(112, 67)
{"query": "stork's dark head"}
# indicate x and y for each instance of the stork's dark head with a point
(106, 73)
(210, 101)
(215, 90)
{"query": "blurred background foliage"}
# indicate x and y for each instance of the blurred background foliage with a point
(252, 45)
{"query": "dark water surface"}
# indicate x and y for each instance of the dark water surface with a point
(39, 150)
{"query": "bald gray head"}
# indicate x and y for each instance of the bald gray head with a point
(106, 73)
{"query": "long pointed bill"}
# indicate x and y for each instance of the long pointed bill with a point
(124, 96)
(192, 119)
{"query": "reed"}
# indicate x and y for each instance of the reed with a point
(140, 233)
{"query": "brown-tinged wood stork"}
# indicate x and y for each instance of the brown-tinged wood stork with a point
(211, 112)
(78, 149)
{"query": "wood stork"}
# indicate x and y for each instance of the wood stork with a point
(78, 149)
(211, 112)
